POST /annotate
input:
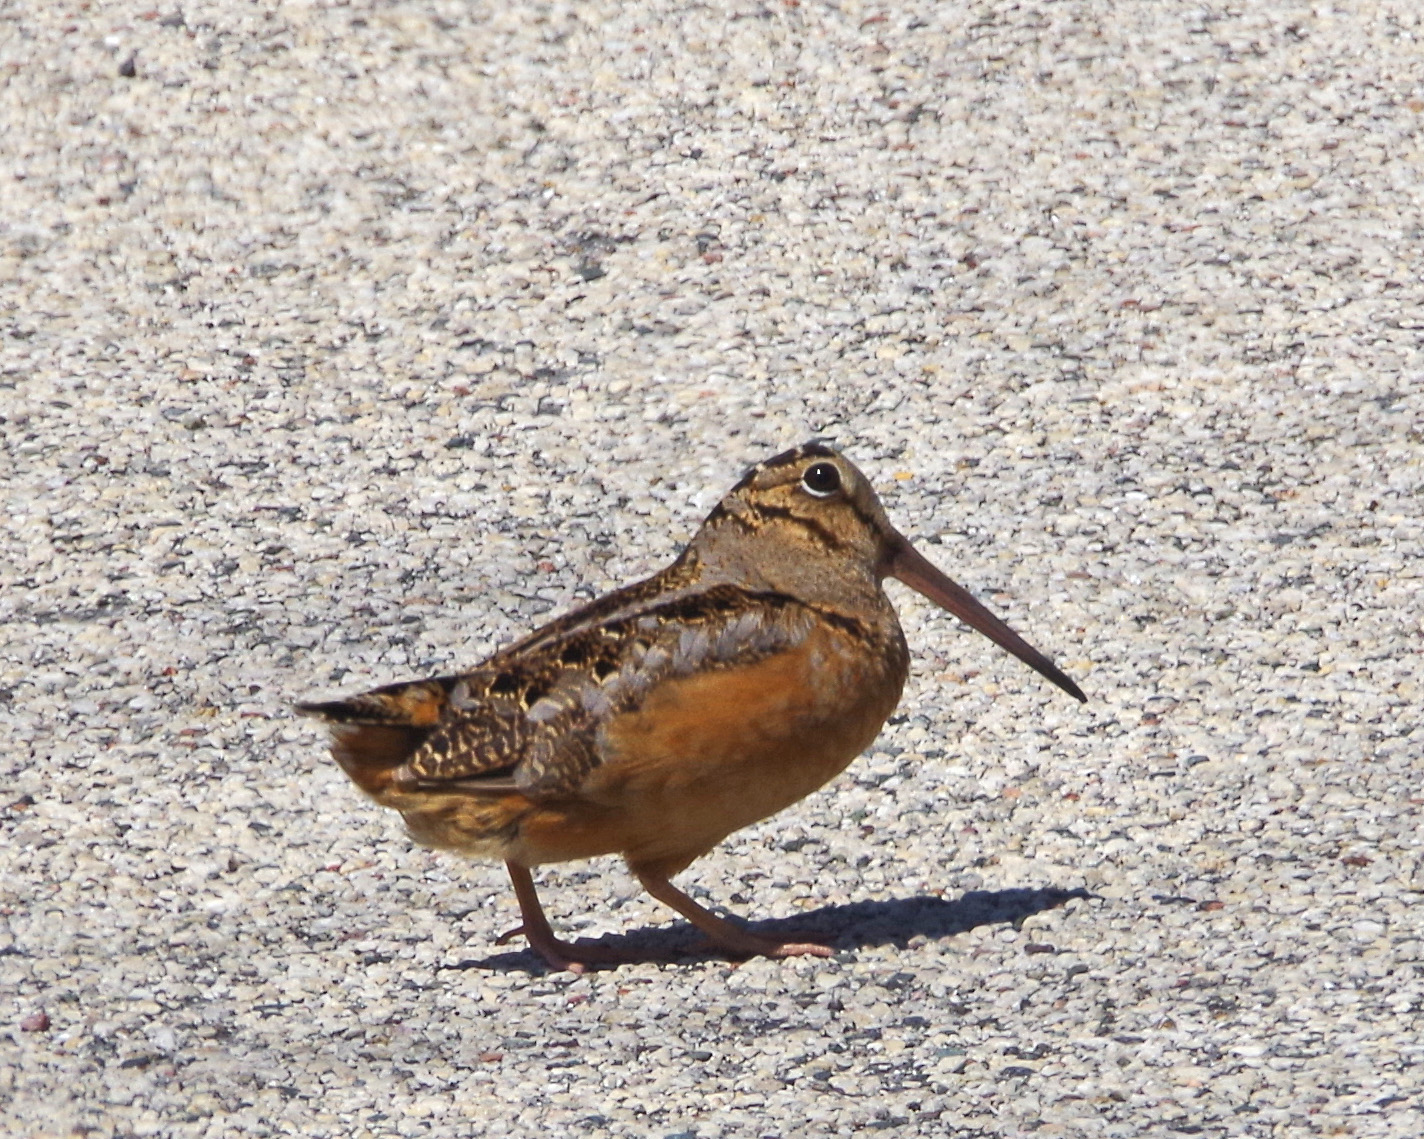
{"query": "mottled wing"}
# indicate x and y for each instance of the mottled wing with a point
(531, 719)
(471, 731)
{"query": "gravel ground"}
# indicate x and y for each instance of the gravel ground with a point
(341, 344)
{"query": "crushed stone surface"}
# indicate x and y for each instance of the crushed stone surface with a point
(341, 344)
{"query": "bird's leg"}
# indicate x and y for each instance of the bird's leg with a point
(733, 938)
(540, 935)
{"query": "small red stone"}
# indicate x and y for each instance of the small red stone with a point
(35, 1022)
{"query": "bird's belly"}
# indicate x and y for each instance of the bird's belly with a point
(710, 753)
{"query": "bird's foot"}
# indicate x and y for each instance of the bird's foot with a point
(727, 936)
(574, 957)
(753, 945)
(798, 949)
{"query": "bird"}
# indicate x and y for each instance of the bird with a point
(661, 717)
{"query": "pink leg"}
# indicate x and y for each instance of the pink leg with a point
(722, 933)
(540, 935)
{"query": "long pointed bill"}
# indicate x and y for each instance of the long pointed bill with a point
(911, 568)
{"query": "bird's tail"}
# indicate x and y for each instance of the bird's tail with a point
(374, 733)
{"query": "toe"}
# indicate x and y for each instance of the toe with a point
(801, 949)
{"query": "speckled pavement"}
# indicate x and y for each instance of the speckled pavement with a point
(342, 343)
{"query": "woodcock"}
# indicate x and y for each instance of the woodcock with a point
(660, 718)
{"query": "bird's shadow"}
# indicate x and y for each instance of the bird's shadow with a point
(855, 925)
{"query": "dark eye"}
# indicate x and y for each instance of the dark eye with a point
(822, 479)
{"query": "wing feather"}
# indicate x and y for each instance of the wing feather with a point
(531, 717)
